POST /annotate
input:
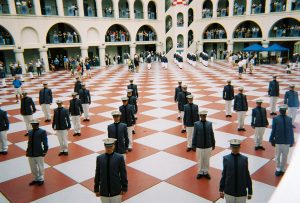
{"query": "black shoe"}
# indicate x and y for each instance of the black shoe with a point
(48, 120)
(207, 176)
(33, 183)
(194, 149)
(178, 118)
(188, 149)
(87, 119)
(66, 153)
(262, 148)
(75, 134)
(199, 176)
(4, 153)
(239, 129)
(183, 131)
(78, 134)
(294, 126)
(26, 134)
(133, 132)
(257, 148)
(39, 183)
(243, 129)
(61, 153)
(84, 120)
(129, 149)
(278, 173)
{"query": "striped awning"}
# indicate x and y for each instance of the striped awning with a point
(178, 2)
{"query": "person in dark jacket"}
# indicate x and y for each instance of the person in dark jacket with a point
(45, 100)
(204, 141)
(236, 183)
(228, 96)
(191, 115)
(36, 151)
(85, 98)
(61, 124)
(273, 92)
(291, 99)
(149, 61)
(110, 181)
(75, 110)
(118, 131)
(27, 110)
(282, 137)
(127, 117)
(182, 100)
(4, 127)
(259, 122)
(132, 100)
(77, 85)
(241, 107)
(134, 88)
(177, 90)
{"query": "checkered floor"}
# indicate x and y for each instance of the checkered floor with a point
(159, 168)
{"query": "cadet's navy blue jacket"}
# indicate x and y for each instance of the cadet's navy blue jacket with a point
(291, 98)
(235, 176)
(127, 116)
(37, 143)
(132, 101)
(259, 117)
(61, 119)
(203, 136)
(45, 96)
(182, 100)
(228, 92)
(111, 176)
(273, 90)
(27, 106)
(77, 86)
(85, 96)
(282, 130)
(134, 90)
(75, 108)
(240, 102)
(119, 132)
(177, 90)
(190, 114)
(4, 122)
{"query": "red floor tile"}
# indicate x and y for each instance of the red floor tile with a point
(13, 152)
(248, 148)
(232, 128)
(138, 152)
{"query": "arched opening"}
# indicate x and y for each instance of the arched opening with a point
(117, 33)
(215, 31)
(169, 23)
(124, 9)
(189, 1)
(180, 20)
(107, 9)
(70, 8)
(152, 10)
(247, 29)
(48, 7)
(296, 5)
(190, 37)
(146, 33)
(89, 8)
(180, 41)
(5, 37)
(61, 33)
(223, 8)
(287, 27)
(190, 16)
(138, 9)
(207, 9)
(4, 7)
(168, 4)
(24, 7)
(169, 44)
(239, 7)
(258, 6)
(278, 5)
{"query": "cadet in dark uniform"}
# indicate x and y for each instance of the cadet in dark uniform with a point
(204, 141)
(241, 107)
(61, 124)
(132, 100)
(45, 100)
(4, 127)
(36, 151)
(259, 123)
(118, 131)
(77, 85)
(191, 115)
(149, 61)
(291, 99)
(134, 88)
(27, 109)
(273, 93)
(127, 117)
(177, 90)
(228, 96)
(111, 175)
(282, 137)
(236, 183)
(182, 100)
(75, 109)
(85, 98)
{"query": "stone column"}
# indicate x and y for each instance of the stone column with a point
(230, 12)
(230, 46)
(44, 56)
(99, 8)
(288, 5)
(12, 7)
(60, 7)
(267, 6)
(132, 50)
(215, 7)
(37, 7)
(199, 46)
(159, 47)
(102, 54)
(80, 7)
(20, 58)
(248, 7)
(131, 9)
(116, 9)
(84, 52)
(145, 10)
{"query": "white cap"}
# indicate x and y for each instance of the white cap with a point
(74, 93)
(259, 101)
(204, 112)
(108, 142)
(235, 143)
(241, 88)
(184, 86)
(34, 121)
(45, 83)
(124, 98)
(291, 85)
(129, 90)
(228, 81)
(189, 96)
(283, 107)
(116, 113)
(59, 101)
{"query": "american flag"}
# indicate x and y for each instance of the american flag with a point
(178, 2)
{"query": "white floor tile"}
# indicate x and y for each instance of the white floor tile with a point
(159, 112)
(159, 124)
(159, 96)
(158, 104)
(16, 127)
(3, 199)
(94, 143)
(101, 126)
(222, 139)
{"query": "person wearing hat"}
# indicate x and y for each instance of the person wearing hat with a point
(4, 127)
(149, 60)
(61, 124)
(134, 88)
(259, 122)
(180, 61)
(228, 96)
(110, 181)
(77, 85)
(182, 100)
(177, 90)
(282, 137)
(241, 107)
(132, 100)
(164, 61)
(27, 109)
(45, 100)
(18, 88)
(128, 118)
(36, 151)
(190, 117)
(85, 98)
(235, 183)
(240, 68)
(118, 131)
(76, 110)
(291, 99)
(273, 92)
(204, 141)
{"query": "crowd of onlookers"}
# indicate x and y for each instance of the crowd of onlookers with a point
(24, 7)
(286, 30)
(5, 38)
(217, 33)
(238, 9)
(180, 21)
(206, 13)
(247, 32)
(108, 12)
(117, 36)
(64, 37)
(278, 5)
(256, 8)
(146, 35)
(221, 12)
